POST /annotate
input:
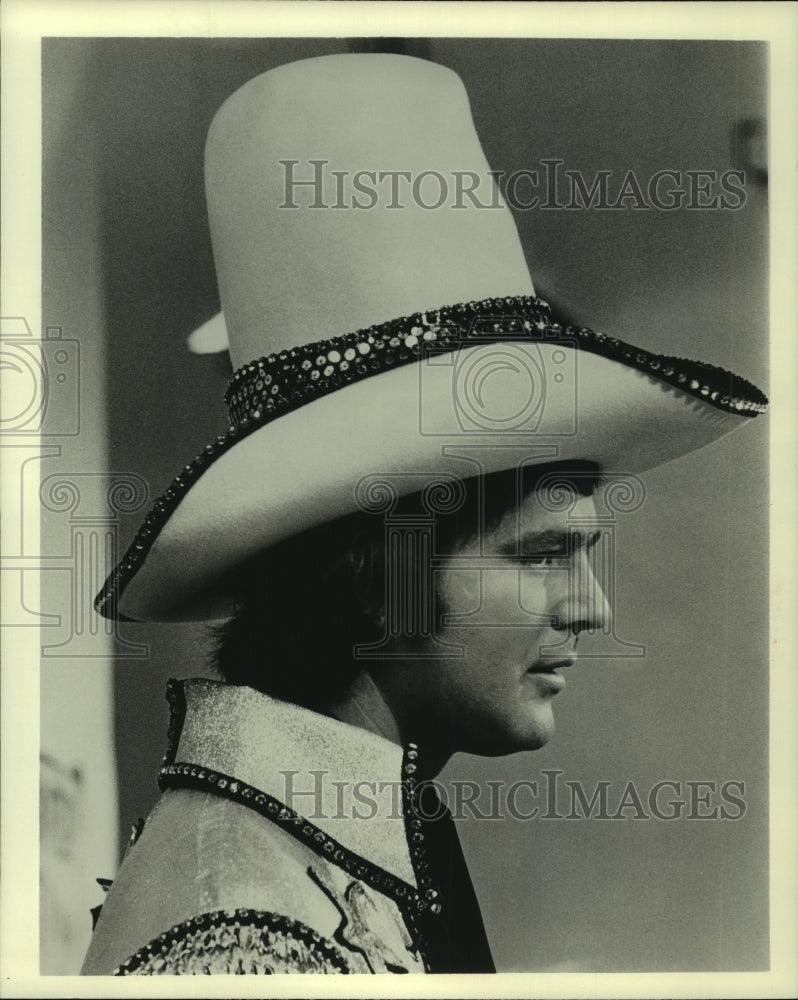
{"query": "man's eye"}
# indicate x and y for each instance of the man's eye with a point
(536, 562)
(543, 561)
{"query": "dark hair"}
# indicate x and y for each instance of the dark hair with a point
(303, 604)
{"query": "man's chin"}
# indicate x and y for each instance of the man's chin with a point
(517, 740)
(539, 730)
(539, 739)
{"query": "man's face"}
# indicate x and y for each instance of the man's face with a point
(516, 600)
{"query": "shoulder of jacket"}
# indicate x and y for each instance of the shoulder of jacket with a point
(208, 877)
(201, 854)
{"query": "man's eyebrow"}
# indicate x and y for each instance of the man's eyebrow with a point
(554, 541)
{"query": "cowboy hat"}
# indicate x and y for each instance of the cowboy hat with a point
(381, 318)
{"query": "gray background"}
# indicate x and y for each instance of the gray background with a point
(124, 225)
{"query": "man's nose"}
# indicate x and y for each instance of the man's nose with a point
(582, 604)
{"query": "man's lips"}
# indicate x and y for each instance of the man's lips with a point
(545, 672)
(549, 666)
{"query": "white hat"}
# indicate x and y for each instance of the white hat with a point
(383, 339)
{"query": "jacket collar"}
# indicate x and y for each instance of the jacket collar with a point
(344, 780)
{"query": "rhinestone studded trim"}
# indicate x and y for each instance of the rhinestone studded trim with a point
(414, 828)
(276, 384)
(236, 942)
(428, 894)
(185, 774)
(272, 386)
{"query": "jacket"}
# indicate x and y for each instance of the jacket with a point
(287, 841)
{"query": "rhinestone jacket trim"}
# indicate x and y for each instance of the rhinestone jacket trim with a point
(219, 942)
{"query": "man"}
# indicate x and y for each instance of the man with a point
(397, 526)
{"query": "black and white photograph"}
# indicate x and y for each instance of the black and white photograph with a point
(398, 442)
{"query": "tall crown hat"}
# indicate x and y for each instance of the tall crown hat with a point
(379, 322)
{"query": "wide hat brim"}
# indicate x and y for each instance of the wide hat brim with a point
(527, 394)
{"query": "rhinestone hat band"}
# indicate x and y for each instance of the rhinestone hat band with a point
(272, 386)
(279, 383)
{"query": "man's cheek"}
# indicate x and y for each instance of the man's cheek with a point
(462, 591)
(533, 600)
